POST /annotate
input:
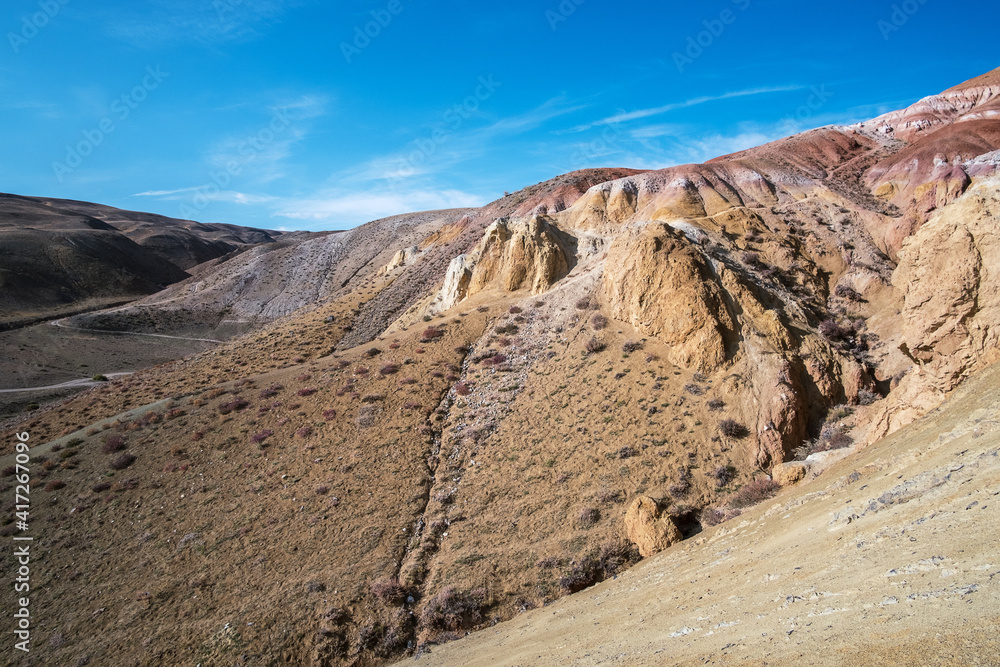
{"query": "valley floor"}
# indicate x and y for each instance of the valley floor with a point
(889, 558)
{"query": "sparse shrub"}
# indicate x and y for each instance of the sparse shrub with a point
(496, 359)
(437, 374)
(388, 590)
(305, 377)
(848, 293)
(361, 370)
(583, 304)
(732, 429)
(431, 333)
(867, 397)
(627, 452)
(411, 405)
(723, 475)
(388, 369)
(329, 414)
(650, 358)
(55, 485)
(716, 404)
(514, 310)
(408, 381)
(753, 493)
(630, 346)
(372, 352)
(372, 398)
(175, 413)
(122, 461)
(304, 432)
(507, 329)
(587, 517)
(101, 487)
(394, 346)
(237, 404)
(594, 346)
(463, 388)
(608, 496)
(694, 389)
(549, 563)
(451, 609)
(752, 259)
(98, 378)
(261, 436)
(322, 490)
(113, 443)
(306, 391)
(834, 331)
(598, 321)
(271, 391)
(713, 516)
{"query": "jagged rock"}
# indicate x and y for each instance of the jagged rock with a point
(456, 282)
(655, 280)
(649, 528)
(401, 258)
(521, 254)
(789, 473)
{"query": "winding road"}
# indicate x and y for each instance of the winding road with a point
(72, 384)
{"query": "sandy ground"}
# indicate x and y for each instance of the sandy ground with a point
(890, 557)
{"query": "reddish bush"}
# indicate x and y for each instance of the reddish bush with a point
(408, 381)
(388, 369)
(271, 391)
(237, 404)
(304, 432)
(113, 443)
(55, 485)
(463, 388)
(361, 370)
(305, 377)
(495, 360)
(431, 333)
(452, 609)
(732, 428)
(388, 590)
(261, 436)
(514, 310)
(411, 405)
(372, 352)
(755, 492)
(329, 414)
(306, 391)
(598, 321)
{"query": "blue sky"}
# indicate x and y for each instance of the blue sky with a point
(318, 115)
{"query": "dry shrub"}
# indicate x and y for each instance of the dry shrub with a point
(237, 404)
(452, 609)
(594, 346)
(329, 414)
(304, 432)
(716, 404)
(261, 436)
(732, 428)
(122, 461)
(388, 590)
(113, 443)
(630, 346)
(306, 391)
(753, 493)
(55, 485)
(463, 388)
(388, 369)
(431, 333)
(598, 321)
(587, 517)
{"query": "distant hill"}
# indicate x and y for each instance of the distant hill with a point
(63, 256)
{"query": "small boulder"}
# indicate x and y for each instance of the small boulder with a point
(649, 528)
(789, 473)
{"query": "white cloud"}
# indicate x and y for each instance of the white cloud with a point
(352, 208)
(209, 194)
(625, 116)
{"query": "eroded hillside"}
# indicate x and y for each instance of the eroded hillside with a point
(469, 414)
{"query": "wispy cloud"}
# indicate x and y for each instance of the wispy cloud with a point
(625, 116)
(163, 22)
(347, 208)
(228, 196)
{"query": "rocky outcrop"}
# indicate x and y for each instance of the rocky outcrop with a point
(648, 528)
(950, 318)
(530, 254)
(655, 280)
(402, 257)
(524, 254)
(789, 473)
